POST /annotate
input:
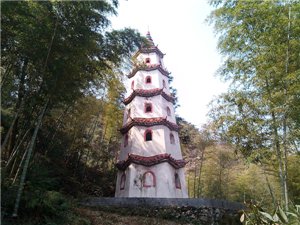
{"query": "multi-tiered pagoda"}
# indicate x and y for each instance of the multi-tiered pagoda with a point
(150, 162)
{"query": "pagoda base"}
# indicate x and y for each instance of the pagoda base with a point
(157, 181)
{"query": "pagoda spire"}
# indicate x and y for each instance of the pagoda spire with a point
(149, 38)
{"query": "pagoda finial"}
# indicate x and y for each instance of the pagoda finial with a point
(149, 38)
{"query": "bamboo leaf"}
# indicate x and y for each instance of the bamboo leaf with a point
(242, 217)
(282, 215)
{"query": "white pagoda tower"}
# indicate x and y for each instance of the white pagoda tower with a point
(150, 162)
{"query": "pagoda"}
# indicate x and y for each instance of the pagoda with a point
(150, 162)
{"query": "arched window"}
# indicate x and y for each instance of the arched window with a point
(164, 83)
(177, 181)
(149, 179)
(172, 139)
(132, 84)
(122, 181)
(147, 60)
(128, 113)
(126, 137)
(148, 107)
(148, 135)
(168, 111)
(148, 80)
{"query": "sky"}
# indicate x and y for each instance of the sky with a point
(180, 31)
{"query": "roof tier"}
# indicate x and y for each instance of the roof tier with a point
(150, 161)
(148, 93)
(148, 122)
(145, 67)
(149, 49)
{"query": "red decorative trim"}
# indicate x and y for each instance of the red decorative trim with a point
(153, 179)
(146, 106)
(148, 81)
(150, 161)
(145, 67)
(145, 134)
(132, 85)
(168, 97)
(147, 94)
(148, 122)
(150, 49)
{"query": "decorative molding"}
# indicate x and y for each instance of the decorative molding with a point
(147, 94)
(151, 67)
(149, 122)
(150, 161)
(153, 179)
(150, 49)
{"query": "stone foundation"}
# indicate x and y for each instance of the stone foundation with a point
(184, 210)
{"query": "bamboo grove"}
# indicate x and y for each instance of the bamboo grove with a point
(62, 69)
(61, 85)
(259, 115)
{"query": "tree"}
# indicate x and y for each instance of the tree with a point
(260, 42)
(57, 54)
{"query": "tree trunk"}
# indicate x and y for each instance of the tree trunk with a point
(285, 161)
(277, 146)
(195, 176)
(285, 164)
(269, 186)
(200, 172)
(279, 156)
(16, 151)
(20, 166)
(188, 181)
(21, 94)
(26, 163)
(7, 137)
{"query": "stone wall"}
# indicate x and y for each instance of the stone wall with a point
(186, 211)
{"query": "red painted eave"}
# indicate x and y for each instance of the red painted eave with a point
(150, 49)
(148, 122)
(150, 161)
(148, 68)
(148, 93)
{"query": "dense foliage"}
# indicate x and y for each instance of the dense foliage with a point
(61, 89)
(61, 85)
(259, 115)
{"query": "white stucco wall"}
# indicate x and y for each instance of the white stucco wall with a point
(164, 173)
(156, 81)
(154, 58)
(159, 108)
(160, 143)
(164, 187)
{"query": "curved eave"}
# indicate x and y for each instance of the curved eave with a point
(149, 68)
(150, 161)
(147, 94)
(148, 122)
(152, 49)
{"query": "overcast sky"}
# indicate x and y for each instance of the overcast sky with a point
(180, 31)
